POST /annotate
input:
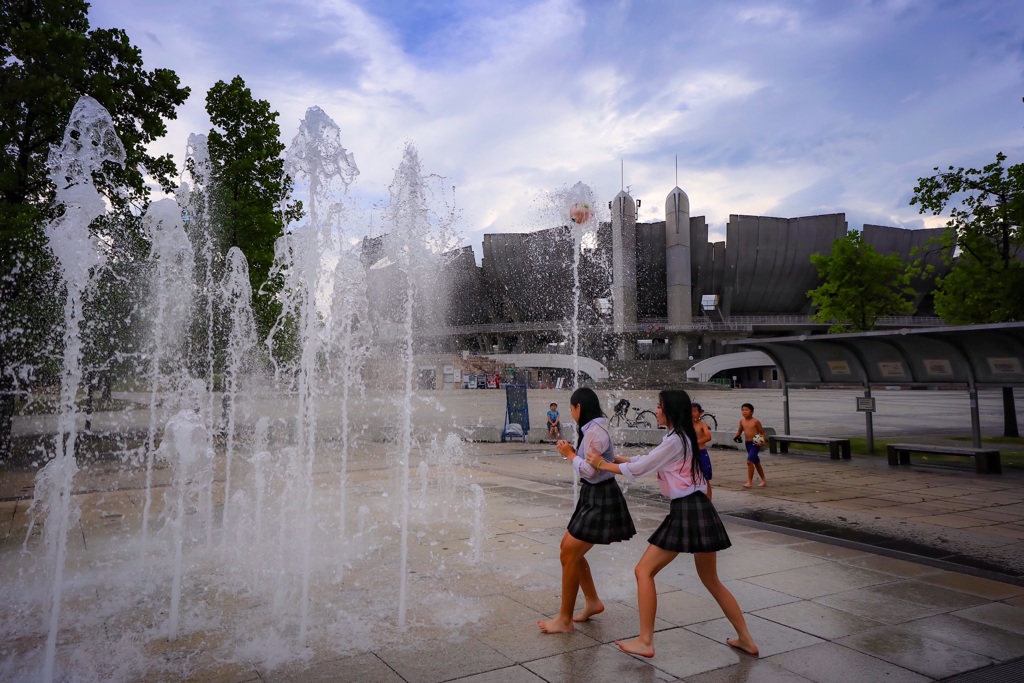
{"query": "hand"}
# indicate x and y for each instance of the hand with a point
(565, 448)
(594, 458)
(738, 439)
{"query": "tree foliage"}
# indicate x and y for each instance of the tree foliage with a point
(983, 239)
(859, 286)
(250, 188)
(49, 58)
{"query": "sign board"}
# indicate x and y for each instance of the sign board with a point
(891, 369)
(1004, 366)
(865, 404)
(839, 367)
(938, 367)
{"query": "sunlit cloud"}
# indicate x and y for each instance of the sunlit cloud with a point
(775, 108)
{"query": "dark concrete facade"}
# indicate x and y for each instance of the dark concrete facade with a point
(520, 298)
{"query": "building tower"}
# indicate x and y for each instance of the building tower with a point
(624, 272)
(677, 268)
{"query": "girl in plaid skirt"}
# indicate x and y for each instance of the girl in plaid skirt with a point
(601, 515)
(692, 526)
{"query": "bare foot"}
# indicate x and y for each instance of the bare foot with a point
(635, 647)
(762, 484)
(747, 485)
(555, 625)
(744, 645)
(589, 611)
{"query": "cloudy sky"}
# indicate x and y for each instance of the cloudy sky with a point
(787, 108)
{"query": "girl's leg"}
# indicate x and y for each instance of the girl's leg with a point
(653, 561)
(571, 552)
(593, 605)
(707, 570)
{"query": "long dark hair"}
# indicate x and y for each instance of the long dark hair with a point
(590, 407)
(678, 412)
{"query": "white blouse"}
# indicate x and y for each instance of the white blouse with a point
(671, 460)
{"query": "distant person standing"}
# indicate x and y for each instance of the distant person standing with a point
(703, 439)
(750, 432)
(554, 423)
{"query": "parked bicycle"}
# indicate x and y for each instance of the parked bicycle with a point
(710, 421)
(642, 418)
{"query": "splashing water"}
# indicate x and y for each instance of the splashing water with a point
(172, 277)
(89, 142)
(236, 295)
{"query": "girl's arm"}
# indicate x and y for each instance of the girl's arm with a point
(597, 441)
(662, 455)
(595, 460)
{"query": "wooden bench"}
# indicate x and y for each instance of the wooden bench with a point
(986, 460)
(837, 448)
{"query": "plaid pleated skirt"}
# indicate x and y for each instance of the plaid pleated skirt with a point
(692, 526)
(601, 516)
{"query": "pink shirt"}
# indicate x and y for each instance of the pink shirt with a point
(671, 460)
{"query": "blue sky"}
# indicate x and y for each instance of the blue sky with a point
(773, 108)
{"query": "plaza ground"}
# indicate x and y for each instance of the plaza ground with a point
(846, 571)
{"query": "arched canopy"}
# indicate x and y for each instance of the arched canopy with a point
(975, 355)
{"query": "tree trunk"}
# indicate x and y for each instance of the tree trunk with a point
(1009, 413)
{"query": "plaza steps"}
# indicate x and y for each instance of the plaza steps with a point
(650, 374)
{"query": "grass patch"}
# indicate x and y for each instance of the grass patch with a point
(1004, 440)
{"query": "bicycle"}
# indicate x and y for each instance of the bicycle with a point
(710, 421)
(642, 418)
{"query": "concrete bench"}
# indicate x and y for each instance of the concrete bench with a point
(837, 448)
(986, 460)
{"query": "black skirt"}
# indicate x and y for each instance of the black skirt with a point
(692, 526)
(601, 515)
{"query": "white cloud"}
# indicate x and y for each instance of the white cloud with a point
(783, 106)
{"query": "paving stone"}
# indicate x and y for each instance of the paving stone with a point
(922, 654)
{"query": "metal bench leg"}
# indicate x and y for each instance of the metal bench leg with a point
(833, 451)
(893, 456)
(988, 463)
(846, 451)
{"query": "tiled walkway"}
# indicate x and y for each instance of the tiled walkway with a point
(819, 611)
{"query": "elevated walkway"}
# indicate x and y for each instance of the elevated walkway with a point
(709, 367)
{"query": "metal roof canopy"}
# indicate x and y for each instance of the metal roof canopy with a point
(971, 355)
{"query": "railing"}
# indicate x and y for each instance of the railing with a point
(649, 326)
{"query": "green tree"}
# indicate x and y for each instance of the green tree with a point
(250, 189)
(49, 58)
(859, 286)
(983, 240)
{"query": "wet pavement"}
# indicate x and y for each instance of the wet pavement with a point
(845, 570)
(822, 607)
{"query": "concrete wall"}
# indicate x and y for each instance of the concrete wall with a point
(768, 261)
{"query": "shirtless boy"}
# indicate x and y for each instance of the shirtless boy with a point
(703, 439)
(750, 427)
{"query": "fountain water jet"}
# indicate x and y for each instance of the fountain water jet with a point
(236, 295)
(171, 282)
(90, 141)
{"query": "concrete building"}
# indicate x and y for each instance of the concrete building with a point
(658, 290)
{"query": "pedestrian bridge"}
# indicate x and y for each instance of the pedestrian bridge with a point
(709, 367)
